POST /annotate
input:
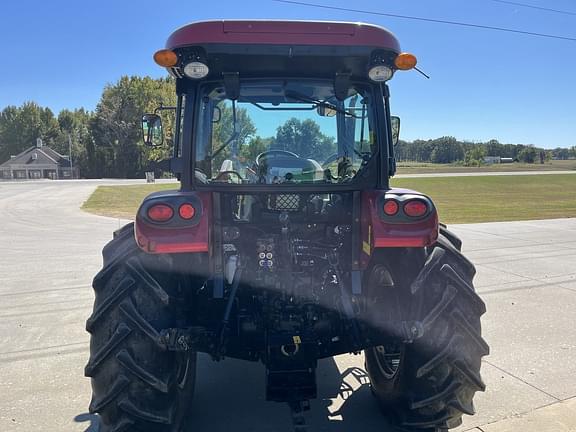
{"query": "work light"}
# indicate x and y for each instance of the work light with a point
(196, 70)
(380, 73)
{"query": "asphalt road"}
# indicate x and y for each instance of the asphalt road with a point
(50, 250)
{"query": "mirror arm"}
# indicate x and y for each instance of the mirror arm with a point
(391, 165)
(164, 108)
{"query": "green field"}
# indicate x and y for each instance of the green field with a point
(459, 199)
(427, 168)
(121, 201)
(498, 198)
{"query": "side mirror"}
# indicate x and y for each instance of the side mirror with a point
(152, 130)
(395, 123)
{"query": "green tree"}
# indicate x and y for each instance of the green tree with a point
(304, 138)
(116, 125)
(423, 150)
(475, 156)
(75, 129)
(446, 150)
(561, 153)
(21, 126)
(256, 146)
(494, 148)
(528, 154)
(224, 128)
(223, 132)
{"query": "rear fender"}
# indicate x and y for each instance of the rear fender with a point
(176, 235)
(400, 230)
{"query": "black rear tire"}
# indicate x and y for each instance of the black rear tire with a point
(439, 373)
(138, 385)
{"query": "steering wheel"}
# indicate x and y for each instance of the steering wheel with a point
(274, 153)
(223, 173)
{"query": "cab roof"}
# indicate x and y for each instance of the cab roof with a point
(312, 33)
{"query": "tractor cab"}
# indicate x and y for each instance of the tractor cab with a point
(282, 123)
(288, 105)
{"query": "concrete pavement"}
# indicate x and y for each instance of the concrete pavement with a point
(527, 277)
(50, 250)
(557, 417)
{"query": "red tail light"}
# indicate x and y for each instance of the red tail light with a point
(187, 211)
(391, 207)
(415, 208)
(160, 213)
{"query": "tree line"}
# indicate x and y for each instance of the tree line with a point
(107, 142)
(448, 149)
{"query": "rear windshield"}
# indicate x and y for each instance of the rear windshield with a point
(283, 131)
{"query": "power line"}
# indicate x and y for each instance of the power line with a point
(437, 21)
(534, 7)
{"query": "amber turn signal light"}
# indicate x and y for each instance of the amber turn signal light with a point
(405, 61)
(166, 58)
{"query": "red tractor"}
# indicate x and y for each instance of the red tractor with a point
(285, 243)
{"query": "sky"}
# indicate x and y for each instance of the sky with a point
(484, 84)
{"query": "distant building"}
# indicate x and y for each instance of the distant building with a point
(39, 162)
(491, 159)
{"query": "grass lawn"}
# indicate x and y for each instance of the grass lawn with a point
(459, 199)
(498, 198)
(427, 168)
(121, 201)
